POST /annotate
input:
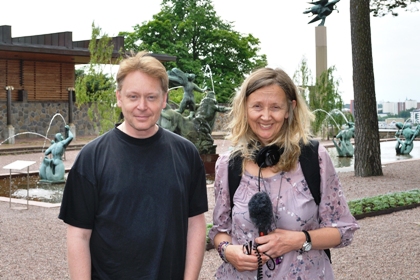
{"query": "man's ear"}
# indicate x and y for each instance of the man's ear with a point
(164, 99)
(118, 95)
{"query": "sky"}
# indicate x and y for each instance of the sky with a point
(285, 35)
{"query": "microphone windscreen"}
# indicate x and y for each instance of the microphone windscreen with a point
(261, 212)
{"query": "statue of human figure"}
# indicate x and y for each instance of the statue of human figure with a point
(344, 146)
(186, 80)
(404, 147)
(208, 108)
(198, 129)
(52, 169)
(322, 9)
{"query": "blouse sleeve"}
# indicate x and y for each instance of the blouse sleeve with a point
(333, 208)
(222, 221)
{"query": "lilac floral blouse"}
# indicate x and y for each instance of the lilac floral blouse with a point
(293, 208)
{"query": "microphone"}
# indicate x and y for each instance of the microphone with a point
(261, 212)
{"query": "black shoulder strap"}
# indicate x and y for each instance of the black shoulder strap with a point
(309, 163)
(234, 176)
(310, 167)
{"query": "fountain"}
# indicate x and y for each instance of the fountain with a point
(344, 164)
(198, 126)
(343, 145)
(342, 139)
(406, 145)
(52, 170)
(47, 185)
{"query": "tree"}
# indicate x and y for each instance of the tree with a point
(383, 7)
(202, 42)
(367, 155)
(303, 78)
(96, 87)
(324, 98)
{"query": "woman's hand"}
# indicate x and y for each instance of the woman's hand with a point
(280, 241)
(240, 260)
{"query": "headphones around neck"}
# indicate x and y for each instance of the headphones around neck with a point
(267, 156)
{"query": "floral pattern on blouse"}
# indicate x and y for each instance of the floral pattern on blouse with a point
(294, 208)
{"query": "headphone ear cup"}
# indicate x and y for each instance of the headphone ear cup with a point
(267, 156)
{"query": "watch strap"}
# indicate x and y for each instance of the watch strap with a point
(308, 237)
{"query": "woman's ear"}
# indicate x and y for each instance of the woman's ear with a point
(293, 104)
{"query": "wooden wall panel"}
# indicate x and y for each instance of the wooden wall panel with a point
(2, 79)
(43, 81)
(13, 77)
(29, 78)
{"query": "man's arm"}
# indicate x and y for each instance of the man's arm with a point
(78, 252)
(196, 243)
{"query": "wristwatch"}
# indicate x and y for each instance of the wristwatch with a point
(307, 245)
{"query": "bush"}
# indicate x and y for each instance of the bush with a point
(384, 202)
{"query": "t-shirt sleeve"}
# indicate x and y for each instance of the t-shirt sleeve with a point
(198, 197)
(79, 201)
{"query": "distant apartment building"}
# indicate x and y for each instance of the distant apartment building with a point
(415, 116)
(390, 108)
(410, 104)
(397, 107)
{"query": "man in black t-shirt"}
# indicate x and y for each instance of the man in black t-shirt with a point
(135, 197)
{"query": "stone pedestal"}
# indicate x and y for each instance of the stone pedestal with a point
(73, 130)
(209, 163)
(10, 134)
(321, 49)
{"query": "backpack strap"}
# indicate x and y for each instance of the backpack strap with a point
(309, 163)
(234, 177)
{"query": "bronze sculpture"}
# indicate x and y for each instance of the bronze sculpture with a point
(196, 129)
(404, 147)
(52, 169)
(322, 9)
(344, 146)
(178, 78)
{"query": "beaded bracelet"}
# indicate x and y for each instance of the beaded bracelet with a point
(221, 249)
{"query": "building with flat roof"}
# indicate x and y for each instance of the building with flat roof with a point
(37, 78)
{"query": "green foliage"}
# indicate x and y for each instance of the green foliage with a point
(383, 7)
(96, 88)
(325, 97)
(303, 78)
(176, 95)
(383, 202)
(202, 42)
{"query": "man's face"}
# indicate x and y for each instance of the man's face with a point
(141, 100)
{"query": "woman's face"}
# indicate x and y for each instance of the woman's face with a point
(266, 111)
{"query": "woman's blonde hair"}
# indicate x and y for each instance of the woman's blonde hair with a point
(294, 132)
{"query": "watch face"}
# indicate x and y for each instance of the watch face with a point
(307, 246)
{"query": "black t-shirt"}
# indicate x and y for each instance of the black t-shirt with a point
(136, 195)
